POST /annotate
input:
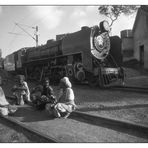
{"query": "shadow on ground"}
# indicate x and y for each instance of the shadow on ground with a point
(29, 114)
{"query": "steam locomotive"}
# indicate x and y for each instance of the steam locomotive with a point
(89, 55)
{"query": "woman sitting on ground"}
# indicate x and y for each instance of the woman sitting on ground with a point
(5, 107)
(21, 91)
(66, 103)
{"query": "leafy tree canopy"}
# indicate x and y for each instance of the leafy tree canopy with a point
(114, 11)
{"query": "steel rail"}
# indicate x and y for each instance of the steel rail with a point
(97, 119)
(41, 136)
(115, 124)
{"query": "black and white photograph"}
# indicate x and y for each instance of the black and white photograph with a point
(74, 73)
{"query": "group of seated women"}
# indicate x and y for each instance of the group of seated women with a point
(42, 98)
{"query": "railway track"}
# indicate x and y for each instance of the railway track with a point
(121, 126)
(130, 89)
(92, 120)
(117, 87)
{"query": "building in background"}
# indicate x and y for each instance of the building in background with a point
(127, 45)
(140, 36)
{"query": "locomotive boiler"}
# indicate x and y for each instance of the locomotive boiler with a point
(89, 55)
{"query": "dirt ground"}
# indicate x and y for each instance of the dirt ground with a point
(125, 106)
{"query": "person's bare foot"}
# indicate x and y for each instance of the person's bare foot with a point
(66, 116)
(56, 113)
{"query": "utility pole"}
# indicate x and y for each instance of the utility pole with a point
(36, 35)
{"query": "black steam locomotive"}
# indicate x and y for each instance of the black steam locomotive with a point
(88, 55)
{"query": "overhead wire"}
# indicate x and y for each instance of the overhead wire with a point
(28, 26)
(12, 41)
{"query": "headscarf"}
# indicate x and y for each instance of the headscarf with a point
(65, 81)
(21, 77)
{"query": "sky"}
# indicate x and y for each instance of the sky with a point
(51, 21)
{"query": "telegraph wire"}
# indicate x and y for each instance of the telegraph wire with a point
(25, 31)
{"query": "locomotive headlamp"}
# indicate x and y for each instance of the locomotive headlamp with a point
(104, 26)
(100, 43)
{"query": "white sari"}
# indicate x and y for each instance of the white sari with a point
(5, 108)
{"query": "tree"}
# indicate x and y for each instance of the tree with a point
(114, 11)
